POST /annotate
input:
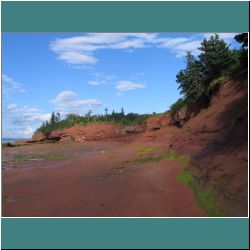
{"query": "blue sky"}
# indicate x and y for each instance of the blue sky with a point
(78, 72)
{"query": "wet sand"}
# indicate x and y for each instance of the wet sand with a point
(93, 179)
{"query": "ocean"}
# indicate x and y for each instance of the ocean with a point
(11, 139)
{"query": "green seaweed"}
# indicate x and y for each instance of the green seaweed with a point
(206, 199)
(172, 155)
(145, 149)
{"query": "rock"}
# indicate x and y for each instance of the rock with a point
(7, 145)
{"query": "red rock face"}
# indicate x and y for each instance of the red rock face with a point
(91, 132)
(216, 138)
(157, 122)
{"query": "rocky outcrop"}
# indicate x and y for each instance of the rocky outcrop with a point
(92, 132)
(178, 118)
(157, 122)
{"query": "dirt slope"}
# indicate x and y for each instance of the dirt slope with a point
(217, 140)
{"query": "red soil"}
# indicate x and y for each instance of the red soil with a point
(98, 185)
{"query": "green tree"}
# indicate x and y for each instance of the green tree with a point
(178, 105)
(242, 39)
(53, 118)
(215, 58)
(191, 82)
(239, 67)
(197, 81)
(88, 115)
(106, 111)
(57, 117)
(122, 112)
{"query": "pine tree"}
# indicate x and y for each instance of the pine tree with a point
(88, 115)
(191, 81)
(57, 117)
(53, 118)
(215, 58)
(122, 112)
(242, 39)
(106, 111)
(196, 80)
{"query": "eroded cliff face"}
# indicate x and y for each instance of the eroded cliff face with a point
(91, 132)
(217, 140)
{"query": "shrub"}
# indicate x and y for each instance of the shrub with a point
(178, 105)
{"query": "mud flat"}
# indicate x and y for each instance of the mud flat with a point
(95, 179)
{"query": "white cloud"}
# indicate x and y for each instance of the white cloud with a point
(17, 132)
(180, 45)
(11, 107)
(129, 44)
(96, 82)
(100, 79)
(124, 85)
(73, 57)
(181, 49)
(10, 86)
(68, 102)
(30, 118)
(80, 50)
(64, 97)
(27, 132)
(25, 115)
(171, 42)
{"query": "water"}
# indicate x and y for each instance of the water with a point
(11, 139)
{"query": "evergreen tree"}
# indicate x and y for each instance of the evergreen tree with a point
(240, 57)
(191, 80)
(106, 111)
(242, 39)
(197, 79)
(53, 118)
(215, 58)
(122, 112)
(57, 117)
(88, 115)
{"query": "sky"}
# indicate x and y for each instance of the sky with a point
(78, 72)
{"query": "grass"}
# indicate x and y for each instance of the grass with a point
(172, 155)
(206, 199)
(145, 149)
(142, 159)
